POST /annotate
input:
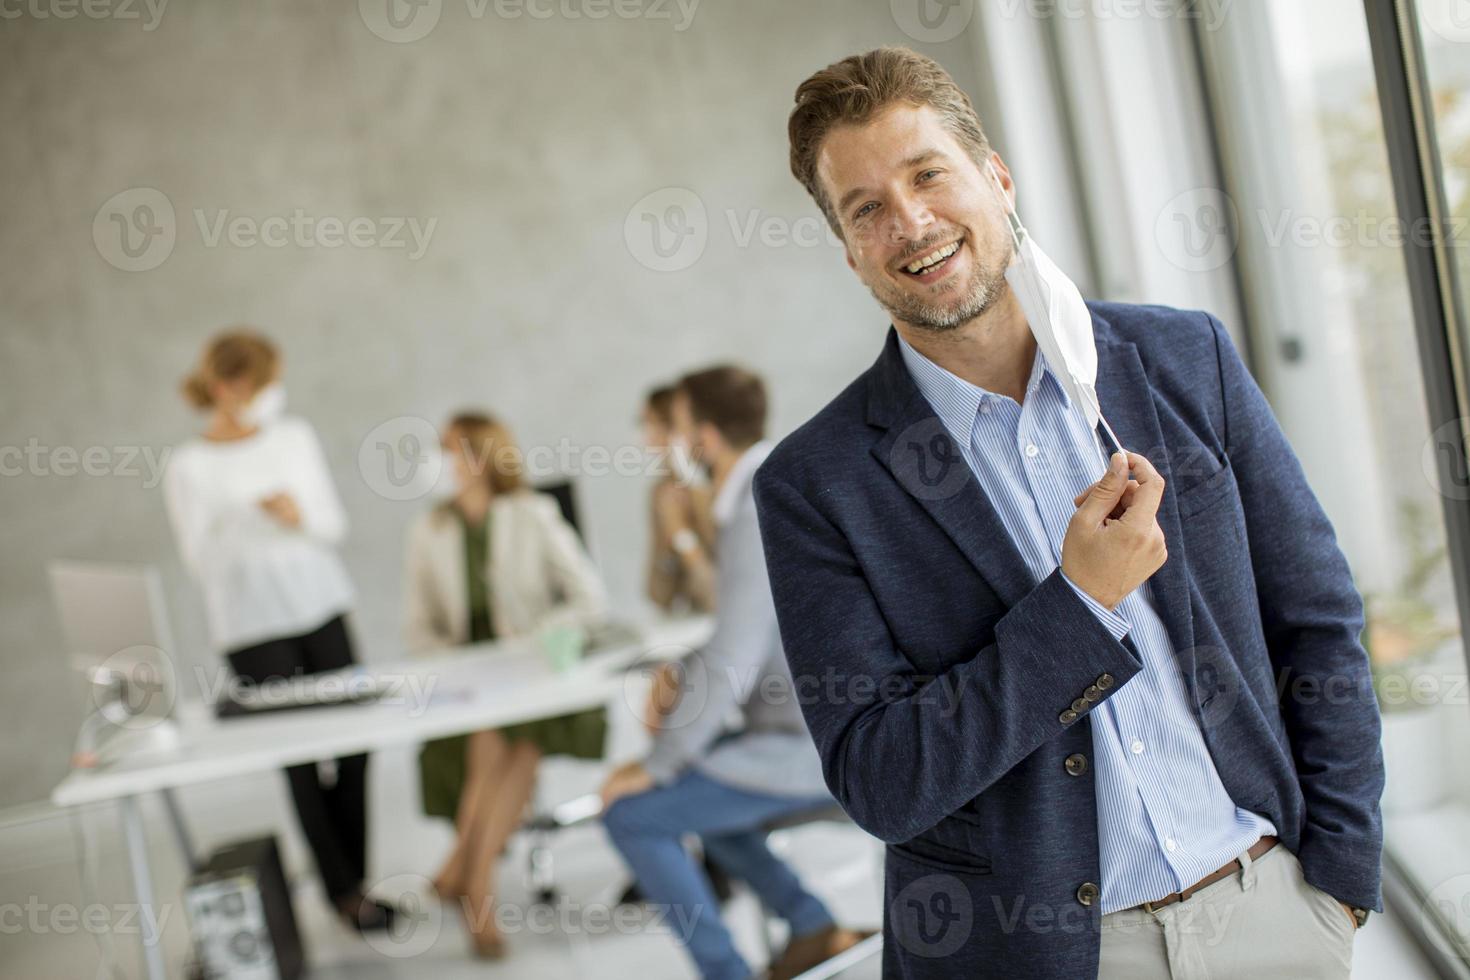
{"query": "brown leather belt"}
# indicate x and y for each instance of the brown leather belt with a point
(1255, 851)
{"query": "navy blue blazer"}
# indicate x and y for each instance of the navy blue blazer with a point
(934, 671)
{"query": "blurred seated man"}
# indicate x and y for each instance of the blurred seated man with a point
(681, 564)
(699, 780)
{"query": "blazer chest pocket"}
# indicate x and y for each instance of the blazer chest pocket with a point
(1200, 496)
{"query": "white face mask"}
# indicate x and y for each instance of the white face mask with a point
(268, 405)
(681, 460)
(1058, 317)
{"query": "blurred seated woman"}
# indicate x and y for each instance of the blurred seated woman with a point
(497, 560)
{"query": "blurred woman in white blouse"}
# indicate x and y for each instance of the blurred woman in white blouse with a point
(258, 523)
(497, 560)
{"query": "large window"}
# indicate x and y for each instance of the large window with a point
(1321, 252)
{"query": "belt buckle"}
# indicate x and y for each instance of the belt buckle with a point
(1150, 909)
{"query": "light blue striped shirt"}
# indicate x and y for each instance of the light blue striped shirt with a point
(1164, 819)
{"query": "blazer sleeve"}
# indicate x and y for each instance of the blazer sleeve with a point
(424, 628)
(1313, 618)
(570, 570)
(901, 751)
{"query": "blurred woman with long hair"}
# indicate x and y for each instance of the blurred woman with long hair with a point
(495, 561)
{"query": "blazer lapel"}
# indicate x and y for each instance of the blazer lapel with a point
(918, 450)
(1127, 403)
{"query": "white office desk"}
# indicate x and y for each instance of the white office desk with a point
(487, 686)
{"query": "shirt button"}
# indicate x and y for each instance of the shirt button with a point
(1031, 449)
(1170, 845)
(1137, 747)
(985, 408)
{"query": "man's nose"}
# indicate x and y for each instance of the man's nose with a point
(909, 219)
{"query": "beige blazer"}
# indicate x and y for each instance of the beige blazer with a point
(539, 574)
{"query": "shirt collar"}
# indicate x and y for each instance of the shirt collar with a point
(737, 483)
(957, 401)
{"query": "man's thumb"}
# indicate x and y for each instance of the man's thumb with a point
(1109, 489)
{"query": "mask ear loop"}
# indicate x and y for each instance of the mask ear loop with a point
(1013, 220)
(1018, 235)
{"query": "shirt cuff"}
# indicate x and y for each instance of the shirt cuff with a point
(1112, 622)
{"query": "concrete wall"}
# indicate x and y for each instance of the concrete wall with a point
(529, 142)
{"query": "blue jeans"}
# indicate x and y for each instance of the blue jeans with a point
(647, 827)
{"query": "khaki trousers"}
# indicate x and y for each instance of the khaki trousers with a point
(1262, 922)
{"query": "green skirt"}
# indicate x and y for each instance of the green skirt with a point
(442, 761)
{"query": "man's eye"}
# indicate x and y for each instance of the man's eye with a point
(864, 210)
(927, 174)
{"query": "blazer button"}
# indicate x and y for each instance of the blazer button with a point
(1087, 894)
(1076, 764)
(1104, 682)
(1067, 717)
(1093, 693)
(1079, 706)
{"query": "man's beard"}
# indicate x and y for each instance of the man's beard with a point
(984, 287)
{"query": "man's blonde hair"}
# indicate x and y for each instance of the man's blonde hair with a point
(857, 88)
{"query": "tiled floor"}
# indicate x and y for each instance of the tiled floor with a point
(584, 935)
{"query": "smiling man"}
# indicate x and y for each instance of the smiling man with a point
(1053, 689)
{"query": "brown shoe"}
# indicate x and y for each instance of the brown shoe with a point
(804, 952)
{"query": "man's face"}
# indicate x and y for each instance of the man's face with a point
(905, 190)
